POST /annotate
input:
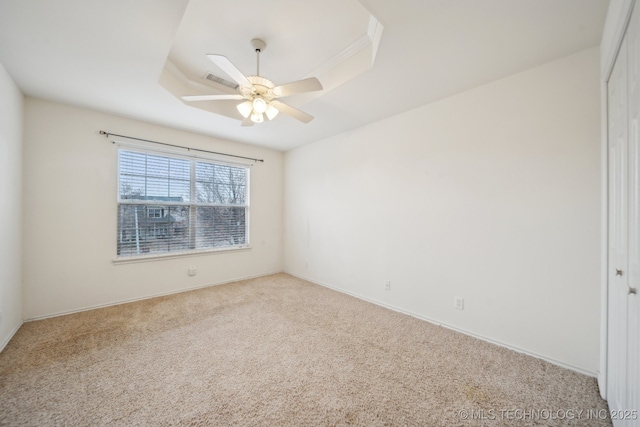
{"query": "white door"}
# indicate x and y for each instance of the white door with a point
(618, 250)
(633, 299)
(623, 363)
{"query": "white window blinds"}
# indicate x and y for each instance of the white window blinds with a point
(175, 204)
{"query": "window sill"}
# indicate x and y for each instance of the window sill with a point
(160, 257)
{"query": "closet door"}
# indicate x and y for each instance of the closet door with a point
(618, 232)
(633, 300)
(623, 362)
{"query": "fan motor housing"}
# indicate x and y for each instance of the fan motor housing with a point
(261, 87)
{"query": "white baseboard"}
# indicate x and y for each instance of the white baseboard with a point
(162, 294)
(462, 331)
(6, 341)
(373, 301)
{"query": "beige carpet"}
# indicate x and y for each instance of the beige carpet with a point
(275, 351)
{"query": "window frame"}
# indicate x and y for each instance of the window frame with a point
(192, 205)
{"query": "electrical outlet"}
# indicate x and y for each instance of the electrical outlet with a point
(458, 303)
(192, 271)
(387, 285)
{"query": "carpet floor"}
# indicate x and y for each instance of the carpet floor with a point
(276, 351)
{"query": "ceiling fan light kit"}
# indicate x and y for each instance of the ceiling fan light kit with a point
(245, 108)
(260, 94)
(259, 105)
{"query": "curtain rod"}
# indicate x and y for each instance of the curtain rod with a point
(108, 134)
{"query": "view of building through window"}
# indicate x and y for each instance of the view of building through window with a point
(177, 204)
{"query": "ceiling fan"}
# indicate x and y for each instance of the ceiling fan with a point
(260, 94)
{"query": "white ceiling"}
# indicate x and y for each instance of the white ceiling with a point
(110, 55)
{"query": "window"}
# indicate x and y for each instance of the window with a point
(155, 212)
(171, 204)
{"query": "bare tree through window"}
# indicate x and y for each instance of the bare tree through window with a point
(161, 210)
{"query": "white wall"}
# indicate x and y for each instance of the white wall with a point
(11, 119)
(491, 195)
(70, 214)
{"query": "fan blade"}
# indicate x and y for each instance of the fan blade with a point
(231, 70)
(246, 122)
(211, 97)
(301, 86)
(293, 112)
